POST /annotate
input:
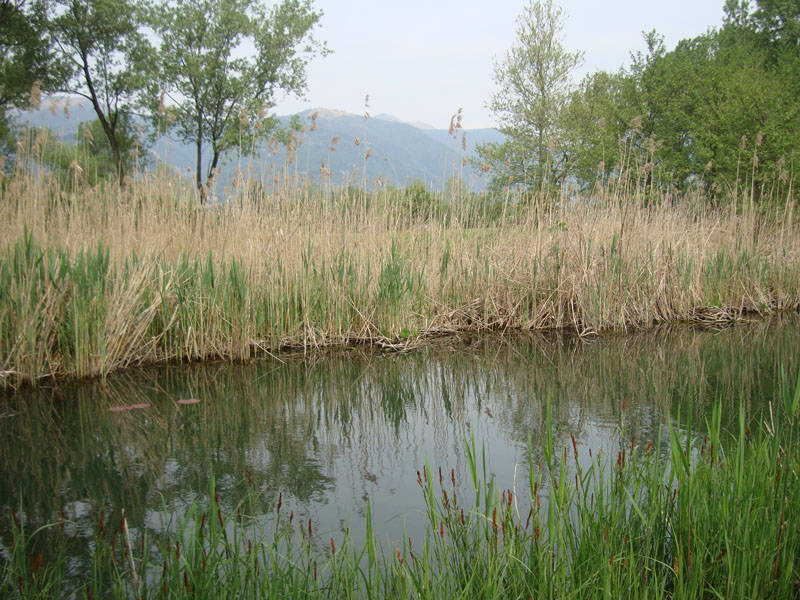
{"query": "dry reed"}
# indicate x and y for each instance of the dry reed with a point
(94, 279)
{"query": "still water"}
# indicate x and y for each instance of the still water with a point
(332, 432)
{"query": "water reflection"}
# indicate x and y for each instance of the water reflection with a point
(329, 433)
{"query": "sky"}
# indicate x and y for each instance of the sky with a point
(422, 60)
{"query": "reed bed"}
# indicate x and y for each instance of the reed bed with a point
(93, 279)
(686, 516)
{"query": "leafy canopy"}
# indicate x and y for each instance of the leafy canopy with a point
(109, 59)
(222, 63)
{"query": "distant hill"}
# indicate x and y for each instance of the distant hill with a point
(399, 152)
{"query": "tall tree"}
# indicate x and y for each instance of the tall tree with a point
(534, 81)
(779, 22)
(25, 59)
(600, 120)
(221, 63)
(104, 42)
(723, 107)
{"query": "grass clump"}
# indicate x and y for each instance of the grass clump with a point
(689, 515)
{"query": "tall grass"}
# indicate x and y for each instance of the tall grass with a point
(96, 278)
(679, 517)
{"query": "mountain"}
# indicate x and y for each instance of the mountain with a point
(399, 152)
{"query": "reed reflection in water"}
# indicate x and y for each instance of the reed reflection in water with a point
(331, 432)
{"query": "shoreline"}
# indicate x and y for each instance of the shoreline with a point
(708, 317)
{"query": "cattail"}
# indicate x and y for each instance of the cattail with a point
(759, 138)
(398, 555)
(464, 141)
(464, 162)
(368, 154)
(742, 142)
(357, 142)
(636, 123)
(333, 547)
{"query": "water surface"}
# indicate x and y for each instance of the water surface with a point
(332, 432)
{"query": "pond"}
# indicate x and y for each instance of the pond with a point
(329, 432)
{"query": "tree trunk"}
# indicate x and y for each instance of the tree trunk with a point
(200, 188)
(212, 169)
(110, 131)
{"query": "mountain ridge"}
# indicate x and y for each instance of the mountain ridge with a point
(338, 146)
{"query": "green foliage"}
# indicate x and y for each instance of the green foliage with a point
(718, 112)
(218, 95)
(721, 112)
(533, 81)
(25, 59)
(110, 59)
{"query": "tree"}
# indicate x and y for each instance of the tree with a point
(722, 107)
(221, 63)
(534, 83)
(599, 120)
(26, 60)
(110, 61)
(778, 22)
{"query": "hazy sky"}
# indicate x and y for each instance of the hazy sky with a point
(420, 60)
